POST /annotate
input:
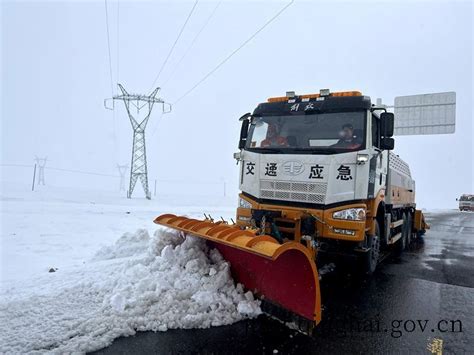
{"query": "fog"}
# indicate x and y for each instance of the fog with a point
(55, 76)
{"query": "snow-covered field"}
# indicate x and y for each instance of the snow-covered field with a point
(115, 272)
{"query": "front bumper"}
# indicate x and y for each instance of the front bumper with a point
(291, 218)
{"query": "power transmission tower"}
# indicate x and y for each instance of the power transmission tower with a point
(139, 169)
(41, 162)
(122, 170)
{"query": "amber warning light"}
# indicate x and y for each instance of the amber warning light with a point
(322, 93)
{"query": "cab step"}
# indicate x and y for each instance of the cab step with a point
(395, 238)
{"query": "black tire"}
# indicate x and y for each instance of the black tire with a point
(371, 258)
(411, 232)
(403, 242)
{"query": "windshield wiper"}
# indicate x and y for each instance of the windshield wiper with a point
(313, 150)
(287, 150)
(265, 150)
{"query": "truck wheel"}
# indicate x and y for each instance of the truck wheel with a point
(402, 243)
(371, 258)
(411, 233)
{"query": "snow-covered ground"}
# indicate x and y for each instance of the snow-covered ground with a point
(60, 227)
(115, 272)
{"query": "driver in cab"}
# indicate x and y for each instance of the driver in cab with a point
(348, 140)
(273, 138)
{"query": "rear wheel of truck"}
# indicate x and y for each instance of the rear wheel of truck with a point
(403, 242)
(371, 258)
(411, 231)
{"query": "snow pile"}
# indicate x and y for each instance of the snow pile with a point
(140, 283)
(128, 245)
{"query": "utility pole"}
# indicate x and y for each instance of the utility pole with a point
(34, 178)
(122, 170)
(41, 163)
(139, 169)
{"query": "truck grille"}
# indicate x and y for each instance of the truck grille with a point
(293, 191)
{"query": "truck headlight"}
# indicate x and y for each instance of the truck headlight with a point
(353, 214)
(244, 203)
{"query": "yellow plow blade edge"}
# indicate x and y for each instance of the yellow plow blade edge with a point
(284, 274)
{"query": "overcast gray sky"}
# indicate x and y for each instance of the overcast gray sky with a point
(55, 75)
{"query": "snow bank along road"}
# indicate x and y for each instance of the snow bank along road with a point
(140, 283)
(97, 294)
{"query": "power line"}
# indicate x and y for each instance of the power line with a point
(116, 128)
(174, 44)
(172, 181)
(233, 53)
(61, 169)
(18, 165)
(108, 45)
(111, 77)
(80, 172)
(192, 43)
(118, 41)
(157, 124)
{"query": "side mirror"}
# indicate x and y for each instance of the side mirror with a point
(386, 124)
(387, 143)
(247, 116)
(456, 199)
(244, 130)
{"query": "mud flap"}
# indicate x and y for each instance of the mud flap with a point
(420, 224)
(284, 274)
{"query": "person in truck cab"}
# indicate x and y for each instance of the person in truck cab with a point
(348, 139)
(273, 138)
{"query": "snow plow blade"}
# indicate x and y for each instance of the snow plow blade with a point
(284, 275)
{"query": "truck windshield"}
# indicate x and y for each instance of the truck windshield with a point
(333, 132)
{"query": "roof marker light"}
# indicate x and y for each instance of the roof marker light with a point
(324, 92)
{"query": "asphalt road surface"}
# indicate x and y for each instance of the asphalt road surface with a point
(421, 302)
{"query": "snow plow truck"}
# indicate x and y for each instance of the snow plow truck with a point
(317, 176)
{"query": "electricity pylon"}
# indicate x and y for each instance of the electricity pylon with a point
(41, 162)
(122, 170)
(139, 169)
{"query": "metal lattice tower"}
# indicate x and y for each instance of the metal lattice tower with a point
(122, 170)
(41, 162)
(139, 168)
